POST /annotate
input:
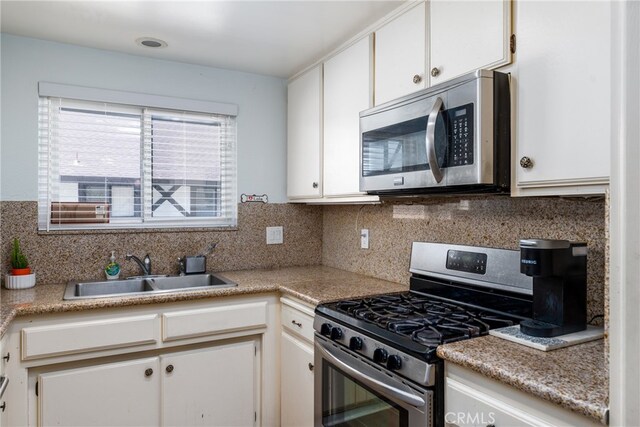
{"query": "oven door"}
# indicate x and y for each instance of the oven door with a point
(350, 391)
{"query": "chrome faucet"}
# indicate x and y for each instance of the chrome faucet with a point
(145, 265)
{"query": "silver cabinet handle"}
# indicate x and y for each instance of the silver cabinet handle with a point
(4, 381)
(526, 162)
(431, 140)
(434, 72)
(417, 78)
(375, 384)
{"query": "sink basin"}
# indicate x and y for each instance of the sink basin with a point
(189, 282)
(110, 287)
(144, 286)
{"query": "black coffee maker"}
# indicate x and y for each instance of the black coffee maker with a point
(559, 271)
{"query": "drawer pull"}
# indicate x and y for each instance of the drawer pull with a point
(298, 324)
(148, 372)
(311, 366)
(169, 369)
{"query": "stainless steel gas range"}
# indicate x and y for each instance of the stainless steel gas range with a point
(375, 357)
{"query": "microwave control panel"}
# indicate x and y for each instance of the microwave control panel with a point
(461, 135)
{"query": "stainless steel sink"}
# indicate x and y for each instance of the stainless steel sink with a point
(189, 282)
(144, 286)
(110, 287)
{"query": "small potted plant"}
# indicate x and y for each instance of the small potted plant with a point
(21, 276)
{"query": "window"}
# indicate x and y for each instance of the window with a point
(109, 165)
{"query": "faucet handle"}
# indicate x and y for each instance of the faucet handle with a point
(182, 267)
(147, 263)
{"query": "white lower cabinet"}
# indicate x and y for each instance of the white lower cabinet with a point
(198, 363)
(296, 364)
(472, 399)
(113, 394)
(297, 382)
(214, 386)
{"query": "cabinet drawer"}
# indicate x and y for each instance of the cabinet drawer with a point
(79, 337)
(215, 320)
(297, 322)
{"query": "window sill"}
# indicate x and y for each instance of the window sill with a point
(136, 230)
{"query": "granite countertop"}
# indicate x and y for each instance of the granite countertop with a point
(314, 284)
(581, 384)
(576, 378)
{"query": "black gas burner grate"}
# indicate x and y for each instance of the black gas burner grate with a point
(427, 321)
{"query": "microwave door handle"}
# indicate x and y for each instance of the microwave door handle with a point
(375, 384)
(431, 140)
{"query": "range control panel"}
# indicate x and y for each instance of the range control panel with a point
(470, 262)
(461, 135)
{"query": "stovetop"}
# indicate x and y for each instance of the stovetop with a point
(425, 320)
(412, 322)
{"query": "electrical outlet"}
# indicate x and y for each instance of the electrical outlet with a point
(275, 235)
(364, 238)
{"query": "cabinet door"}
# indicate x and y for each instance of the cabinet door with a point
(114, 394)
(304, 123)
(347, 91)
(467, 35)
(400, 56)
(563, 84)
(216, 386)
(296, 382)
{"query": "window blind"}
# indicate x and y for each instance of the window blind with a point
(104, 165)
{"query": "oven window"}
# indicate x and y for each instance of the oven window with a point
(346, 402)
(401, 147)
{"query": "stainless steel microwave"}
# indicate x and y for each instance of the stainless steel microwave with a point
(451, 138)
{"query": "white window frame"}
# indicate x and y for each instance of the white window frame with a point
(141, 103)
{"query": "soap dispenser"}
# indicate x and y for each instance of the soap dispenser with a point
(112, 270)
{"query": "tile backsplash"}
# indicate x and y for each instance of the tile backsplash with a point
(57, 258)
(494, 221)
(328, 235)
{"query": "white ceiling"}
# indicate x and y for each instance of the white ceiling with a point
(276, 38)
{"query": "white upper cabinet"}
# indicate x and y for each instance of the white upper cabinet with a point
(467, 35)
(347, 91)
(562, 79)
(304, 135)
(400, 55)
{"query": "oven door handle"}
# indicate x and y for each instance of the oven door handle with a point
(375, 384)
(431, 140)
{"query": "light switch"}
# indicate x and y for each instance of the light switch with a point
(275, 235)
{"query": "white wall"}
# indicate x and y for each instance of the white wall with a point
(25, 61)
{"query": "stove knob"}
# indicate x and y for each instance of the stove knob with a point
(325, 329)
(336, 333)
(355, 343)
(394, 362)
(380, 355)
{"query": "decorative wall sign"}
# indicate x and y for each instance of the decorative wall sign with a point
(246, 198)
